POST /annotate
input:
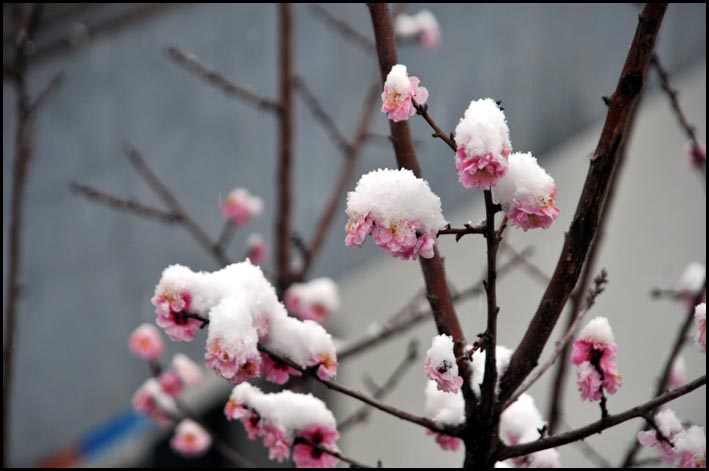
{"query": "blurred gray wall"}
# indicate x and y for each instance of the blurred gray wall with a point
(89, 272)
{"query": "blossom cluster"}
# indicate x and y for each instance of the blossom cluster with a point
(422, 26)
(314, 300)
(683, 446)
(280, 419)
(243, 312)
(398, 209)
(594, 352)
(240, 206)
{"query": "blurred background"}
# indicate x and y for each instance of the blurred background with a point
(89, 272)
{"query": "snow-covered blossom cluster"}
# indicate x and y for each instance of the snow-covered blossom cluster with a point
(685, 447)
(422, 26)
(700, 320)
(593, 352)
(690, 282)
(519, 423)
(151, 400)
(240, 206)
(483, 141)
(243, 311)
(527, 193)
(314, 300)
(280, 419)
(440, 364)
(399, 210)
(399, 89)
(190, 439)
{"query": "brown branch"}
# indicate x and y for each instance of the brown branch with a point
(586, 219)
(343, 28)
(403, 415)
(599, 285)
(125, 204)
(25, 25)
(600, 425)
(171, 202)
(354, 463)
(667, 370)
(460, 232)
(321, 116)
(342, 184)
(422, 110)
(285, 146)
(689, 129)
(434, 273)
(213, 77)
(363, 413)
(410, 317)
(47, 93)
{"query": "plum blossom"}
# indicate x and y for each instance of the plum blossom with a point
(398, 209)
(190, 439)
(256, 249)
(446, 442)
(151, 400)
(527, 193)
(182, 372)
(240, 206)
(172, 309)
(423, 25)
(440, 364)
(691, 448)
(670, 427)
(700, 320)
(276, 371)
(399, 90)
(594, 353)
(483, 145)
(314, 300)
(145, 341)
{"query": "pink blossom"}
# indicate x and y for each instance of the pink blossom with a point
(357, 231)
(314, 312)
(649, 438)
(240, 206)
(440, 364)
(171, 383)
(327, 366)
(275, 371)
(700, 320)
(314, 300)
(594, 353)
(441, 374)
(430, 30)
(404, 239)
(691, 448)
(250, 419)
(533, 214)
(256, 249)
(274, 438)
(187, 370)
(479, 171)
(697, 156)
(589, 381)
(172, 309)
(146, 342)
(150, 400)
(399, 90)
(306, 456)
(232, 364)
(446, 442)
(190, 439)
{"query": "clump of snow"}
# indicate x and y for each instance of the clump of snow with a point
(398, 209)
(519, 419)
(527, 193)
(691, 448)
(598, 330)
(477, 371)
(315, 300)
(444, 408)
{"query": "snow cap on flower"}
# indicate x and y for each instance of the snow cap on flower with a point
(598, 330)
(399, 89)
(240, 206)
(700, 320)
(146, 342)
(440, 364)
(483, 141)
(190, 439)
(548, 458)
(256, 249)
(398, 209)
(280, 418)
(189, 372)
(691, 448)
(423, 25)
(444, 409)
(527, 193)
(151, 400)
(314, 300)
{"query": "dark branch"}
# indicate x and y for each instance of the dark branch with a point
(343, 28)
(336, 454)
(47, 93)
(460, 232)
(437, 131)
(322, 116)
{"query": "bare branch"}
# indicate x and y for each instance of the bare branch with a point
(600, 425)
(322, 116)
(125, 204)
(343, 28)
(336, 454)
(422, 110)
(213, 77)
(47, 93)
(460, 232)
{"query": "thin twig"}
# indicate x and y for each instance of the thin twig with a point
(599, 285)
(363, 413)
(590, 452)
(460, 232)
(336, 454)
(322, 116)
(47, 93)
(422, 110)
(125, 204)
(343, 28)
(526, 264)
(170, 200)
(585, 223)
(226, 234)
(600, 425)
(213, 77)
(667, 370)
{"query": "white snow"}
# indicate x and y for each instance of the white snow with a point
(322, 291)
(477, 373)
(598, 330)
(187, 370)
(398, 80)
(525, 183)
(668, 423)
(692, 278)
(520, 420)
(441, 353)
(444, 408)
(694, 441)
(483, 129)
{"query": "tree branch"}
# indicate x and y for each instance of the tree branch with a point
(354, 463)
(321, 116)
(586, 219)
(343, 28)
(600, 425)
(460, 232)
(422, 110)
(213, 77)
